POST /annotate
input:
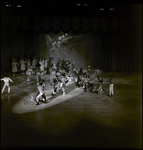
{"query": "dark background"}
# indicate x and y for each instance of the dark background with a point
(119, 31)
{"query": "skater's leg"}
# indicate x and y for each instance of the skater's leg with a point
(3, 88)
(109, 90)
(8, 89)
(63, 89)
(37, 98)
(112, 92)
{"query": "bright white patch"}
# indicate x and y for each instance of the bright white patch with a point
(111, 8)
(19, 6)
(27, 105)
(85, 4)
(101, 8)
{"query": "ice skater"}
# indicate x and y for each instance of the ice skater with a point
(54, 84)
(111, 87)
(34, 63)
(14, 67)
(100, 79)
(41, 93)
(53, 70)
(6, 80)
(88, 72)
(41, 63)
(79, 77)
(29, 73)
(63, 83)
(23, 66)
(97, 88)
(85, 81)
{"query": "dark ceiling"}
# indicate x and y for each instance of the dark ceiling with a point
(68, 8)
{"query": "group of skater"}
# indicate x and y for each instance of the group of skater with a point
(60, 74)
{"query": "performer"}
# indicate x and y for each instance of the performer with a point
(6, 80)
(111, 86)
(75, 72)
(52, 61)
(98, 72)
(41, 62)
(90, 86)
(73, 65)
(52, 73)
(84, 83)
(14, 67)
(100, 79)
(41, 94)
(79, 77)
(22, 62)
(59, 63)
(88, 72)
(97, 88)
(64, 81)
(69, 69)
(29, 73)
(54, 84)
(38, 76)
(34, 63)
(100, 88)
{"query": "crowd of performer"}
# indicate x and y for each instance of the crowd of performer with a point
(60, 74)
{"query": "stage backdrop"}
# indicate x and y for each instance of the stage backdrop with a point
(109, 44)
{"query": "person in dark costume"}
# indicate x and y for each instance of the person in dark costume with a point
(79, 77)
(53, 70)
(54, 85)
(66, 66)
(100, 79)
(90, 86)
(85, 82)
(88, 72)
(59, 65)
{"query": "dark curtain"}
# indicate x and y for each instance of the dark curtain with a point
(119, 45)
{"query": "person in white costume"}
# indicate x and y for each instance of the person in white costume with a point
(23, 67)
(41, 62)
(6, 80)
(64, 81)
(111, 86)
(41, 94)
(14, 67)
(29, 73)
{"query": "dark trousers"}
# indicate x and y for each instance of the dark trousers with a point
(43, 96)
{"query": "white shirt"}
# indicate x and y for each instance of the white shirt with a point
(6, 79)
